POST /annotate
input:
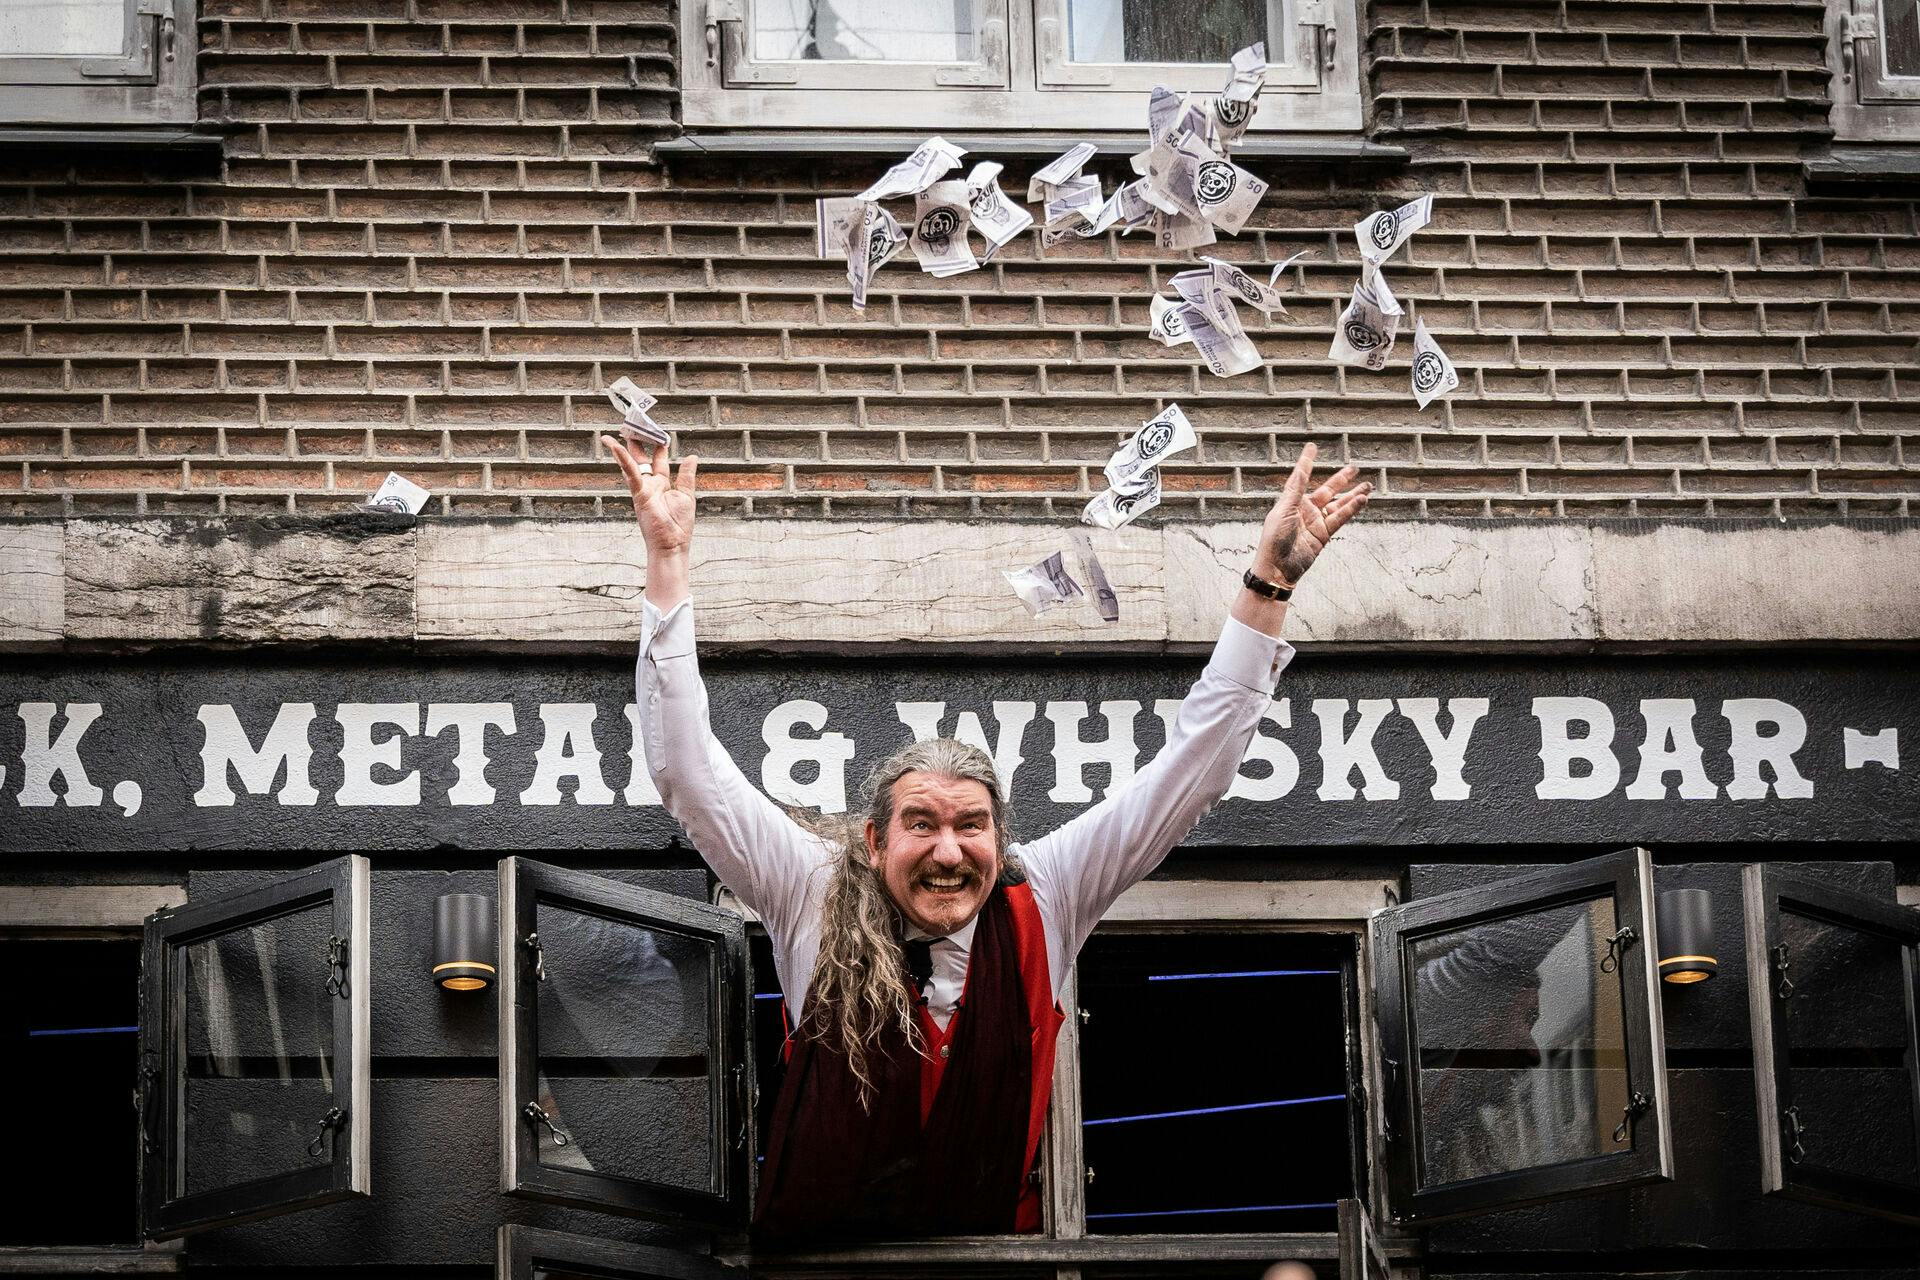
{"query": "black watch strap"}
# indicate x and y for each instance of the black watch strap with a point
(1261, 587)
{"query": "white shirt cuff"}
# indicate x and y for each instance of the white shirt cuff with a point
(1251, 659)
(666, 635)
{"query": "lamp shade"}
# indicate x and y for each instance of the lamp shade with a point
(1686, 936)
(465, 941)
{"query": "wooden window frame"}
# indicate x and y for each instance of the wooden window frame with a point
(1868, 104)
(1063, 1246)
(70, 913)
(1626, 876)
(1316, 92)
(153, 81)
(523, 884)
(1766, 888)
(343, 886)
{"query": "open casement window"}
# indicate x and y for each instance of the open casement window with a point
(959, 65)
(96, 62)
(624, 1075)
(1876, 64)
(1836, 1054)
(1521, 1047)
(530, 1253)
(255, 1053)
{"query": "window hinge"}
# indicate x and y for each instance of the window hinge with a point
(1638, 1105)
(1861, 26)
(329, 1123)
(538, 1114)
(1325, 37)
(727, 48)
(337, 961)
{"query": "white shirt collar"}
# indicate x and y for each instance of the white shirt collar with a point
(961, 937)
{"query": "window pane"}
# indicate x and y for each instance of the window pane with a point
(864, 30)
(68, 1046)
(62, 28)
(1522, 1043)
(259, 1050)
(622, 1032)
(1846, 1029)
(1901, 21)
(1232, 1045)
(1155, 31)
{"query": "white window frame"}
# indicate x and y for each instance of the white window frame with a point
(151, 82)
(62, 913)
(1023, 81)
(1869, 105)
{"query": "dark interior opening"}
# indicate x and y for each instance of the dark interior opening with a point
(1214, 1081)
(69, 1045)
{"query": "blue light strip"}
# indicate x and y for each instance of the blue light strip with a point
(1214, 1111)
(1242, 973)
(1240, 1208)
(85, 1031)
(766, 995)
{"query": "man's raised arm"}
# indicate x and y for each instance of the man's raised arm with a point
(751, 844)
(1080, 869)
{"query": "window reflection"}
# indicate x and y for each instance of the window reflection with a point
(62, 28)
(1900, 19)
(1522, 1044)
(1154, 31)
(864, 30)
(623, 1019)
(259, 1076)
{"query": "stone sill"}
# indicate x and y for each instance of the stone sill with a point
(767, 585)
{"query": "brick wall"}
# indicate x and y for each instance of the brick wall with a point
(435, 233)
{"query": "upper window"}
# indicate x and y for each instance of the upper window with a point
(97, 62)
(1876, 44)
(1007, 64)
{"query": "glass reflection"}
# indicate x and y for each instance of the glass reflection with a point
(1845, 1026)
(622, 1031)
(259, 1077)
(62, 28)
(1900, 19)
(1522, 1043)
(1146, 31)
(864, 30)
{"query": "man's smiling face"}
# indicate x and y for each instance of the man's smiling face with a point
(940, 854)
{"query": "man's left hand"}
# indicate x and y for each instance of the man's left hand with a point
(1301, 523)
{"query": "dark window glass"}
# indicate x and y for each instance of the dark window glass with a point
(623, 1027)
(1213, 1072)
(1155, 31)
(259, 1050)
(68, 1050)
(1522, 1043)
(1901, 19)
(1845, 1027)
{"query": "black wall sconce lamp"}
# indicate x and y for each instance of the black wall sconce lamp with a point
(1686, 936)
(465, 942)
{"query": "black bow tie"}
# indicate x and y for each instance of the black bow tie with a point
(919, 953)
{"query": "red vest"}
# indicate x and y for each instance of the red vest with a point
(830, 1192)
(1043, 1016)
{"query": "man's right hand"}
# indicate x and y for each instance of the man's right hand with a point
(664, 509)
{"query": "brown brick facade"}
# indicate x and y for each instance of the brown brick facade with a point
(436, 232)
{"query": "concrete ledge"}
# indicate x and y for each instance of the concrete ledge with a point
(833, 585)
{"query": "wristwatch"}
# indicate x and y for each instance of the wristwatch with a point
(1271, 590)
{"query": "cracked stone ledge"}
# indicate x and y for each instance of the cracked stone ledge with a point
(828, 586)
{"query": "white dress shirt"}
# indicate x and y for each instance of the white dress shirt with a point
(780, 869)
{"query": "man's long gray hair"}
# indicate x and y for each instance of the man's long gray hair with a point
(855, 993)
